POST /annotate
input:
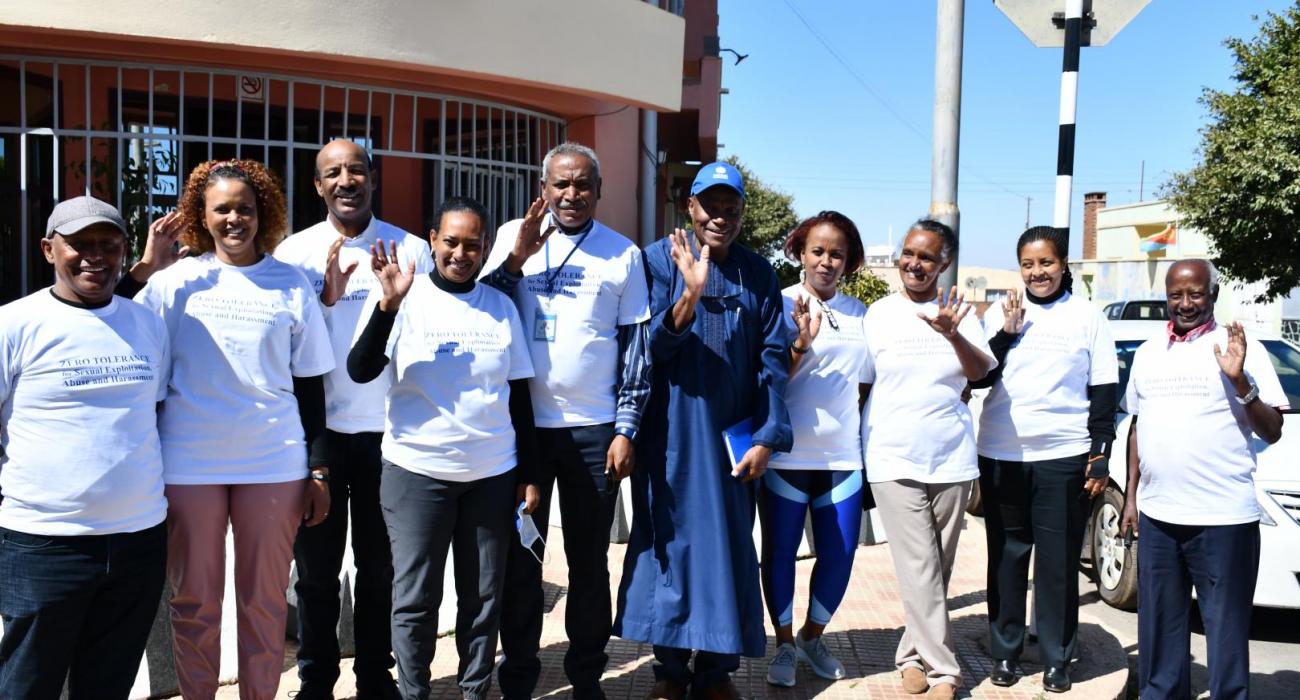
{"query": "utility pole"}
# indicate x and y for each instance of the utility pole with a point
(947, 123)
(1142, 180)
(1028, 200)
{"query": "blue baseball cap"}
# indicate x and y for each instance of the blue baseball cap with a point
(715, 174)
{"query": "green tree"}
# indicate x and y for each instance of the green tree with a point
(769, 217)
(865, 286)
(1245, 192)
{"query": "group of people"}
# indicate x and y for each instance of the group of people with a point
(430, 397)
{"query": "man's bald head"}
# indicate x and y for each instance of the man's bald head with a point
(345, 181)
(340, 147)
(1191, 288)
(1201, 267)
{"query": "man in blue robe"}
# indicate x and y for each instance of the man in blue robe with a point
(720, 356)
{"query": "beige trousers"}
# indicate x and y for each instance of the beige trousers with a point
(923, 523)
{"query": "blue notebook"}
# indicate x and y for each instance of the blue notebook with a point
(738, 439)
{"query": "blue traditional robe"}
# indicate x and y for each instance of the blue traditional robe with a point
(690, 579)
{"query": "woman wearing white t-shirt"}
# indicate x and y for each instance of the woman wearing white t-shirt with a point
(919, 444)
(244, 404)
(459, 447)
(823, 472)
(1045, 430)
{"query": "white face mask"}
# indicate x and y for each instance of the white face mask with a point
(528, 534)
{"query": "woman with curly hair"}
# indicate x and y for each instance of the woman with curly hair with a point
(823, 472)
(244, 403)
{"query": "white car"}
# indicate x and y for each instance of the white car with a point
(1277, 486)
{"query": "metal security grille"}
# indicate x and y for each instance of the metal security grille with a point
(129, 133)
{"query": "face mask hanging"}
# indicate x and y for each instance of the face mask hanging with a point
(528, 534)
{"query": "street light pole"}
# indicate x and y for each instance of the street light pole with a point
(947, 123)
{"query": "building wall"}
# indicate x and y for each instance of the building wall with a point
(630, 48)
(1122, 271)
(1118, 235)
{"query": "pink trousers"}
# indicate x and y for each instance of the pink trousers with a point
(265, 520)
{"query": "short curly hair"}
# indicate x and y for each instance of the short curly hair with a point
(794, 243)
(272, 220)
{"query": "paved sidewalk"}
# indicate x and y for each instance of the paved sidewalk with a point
(864, 635)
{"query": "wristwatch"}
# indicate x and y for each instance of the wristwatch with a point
(625, 432)
(1250, 395)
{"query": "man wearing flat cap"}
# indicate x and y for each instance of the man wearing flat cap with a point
(720, 363)
(83, 542)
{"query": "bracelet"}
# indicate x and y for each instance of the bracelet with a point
(317, 475)
(794, 347)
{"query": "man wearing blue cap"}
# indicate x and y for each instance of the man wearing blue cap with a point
(718, 350)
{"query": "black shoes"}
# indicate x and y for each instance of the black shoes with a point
(1004, 673)
(381, 688)
(1057, 679)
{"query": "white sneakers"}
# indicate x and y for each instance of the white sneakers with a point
(814, 652)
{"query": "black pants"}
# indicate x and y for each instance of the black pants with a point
(77, 608)
(1030, 505)
(354, 463)
(710, 669)
(425, 517)
(575, 459)
(1222, 561)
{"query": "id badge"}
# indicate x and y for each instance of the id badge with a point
(544, 326)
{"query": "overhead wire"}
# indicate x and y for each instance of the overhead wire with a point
(877, 96)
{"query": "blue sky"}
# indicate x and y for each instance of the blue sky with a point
(803, 123)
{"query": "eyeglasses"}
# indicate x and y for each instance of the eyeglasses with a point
(828, 316)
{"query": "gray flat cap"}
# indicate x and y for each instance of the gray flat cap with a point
(72, 215)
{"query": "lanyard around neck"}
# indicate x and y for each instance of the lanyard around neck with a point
(551, 276)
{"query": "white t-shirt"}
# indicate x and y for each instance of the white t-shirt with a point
(1195, 445)
(351, 407)
(239, 336)
(78, 389)
(1039, 408)
(451, 357)
(915, 425)
(822, 395)
(571, 325)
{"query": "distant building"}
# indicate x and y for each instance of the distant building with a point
(1127, 249)
(882, 255)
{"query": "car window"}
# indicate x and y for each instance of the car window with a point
(1146, 311)
(1113, 311)
(1286, 362)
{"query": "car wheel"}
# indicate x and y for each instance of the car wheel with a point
(1115, 565)
(975, 506)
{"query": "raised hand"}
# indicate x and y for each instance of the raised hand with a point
(393, 280)
(809, 325)
(952, 309)
(336, 278)
(531, 237)
(695, 271)
(1013, 313)
(160, 247)
(1233, 361)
